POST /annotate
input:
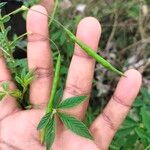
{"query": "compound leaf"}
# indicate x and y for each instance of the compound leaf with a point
(145, 113)
(75, 125)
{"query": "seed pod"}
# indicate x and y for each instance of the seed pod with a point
(55, 84)
(92, 53)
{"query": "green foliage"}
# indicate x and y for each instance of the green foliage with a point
(5, 19)
(2, 4)
(30, 3)
(75, 125)
(71, 102)
(58, 97)
(6, 91)
(47, 127)
(5, 86)
(135, 130)
(50, 133)
(145, 114)
(44, 121)
(47, 123)
(18, 68)
(16, 93)
(25, 78)
(2, 95)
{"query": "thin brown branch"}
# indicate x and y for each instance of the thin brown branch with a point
(135, 44)
(113, 31)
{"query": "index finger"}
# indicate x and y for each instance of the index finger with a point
(39, 55)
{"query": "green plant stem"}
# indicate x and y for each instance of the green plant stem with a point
(54, 86)
(6, 53)
(53, 92)
(2, 27)
(18, 38)
(17, 11)
(53, 13)
(23, 92)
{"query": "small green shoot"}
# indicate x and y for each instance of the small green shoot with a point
(7, 92)
(2, 4)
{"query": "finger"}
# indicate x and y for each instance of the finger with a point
(80, 75)
(48, 4)
(106, 125)
(8, 104)
(39, 55)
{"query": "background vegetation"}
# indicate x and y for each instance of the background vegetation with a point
(125, 42)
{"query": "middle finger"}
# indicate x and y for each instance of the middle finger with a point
(80, 75)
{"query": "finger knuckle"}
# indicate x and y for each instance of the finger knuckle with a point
(43, 72)
(36, 37)
(76, 90)
(120, 101)
(108, 121)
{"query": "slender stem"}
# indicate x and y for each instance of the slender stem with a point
(2, 27)
(53, 13)
(148, 147)
(6, 52)
(18, 38)
(53, 92)
(54, 86)
(113, 31)
(17, 11)
(7, 43)
(24, 91)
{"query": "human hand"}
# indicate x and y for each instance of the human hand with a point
(18, 127)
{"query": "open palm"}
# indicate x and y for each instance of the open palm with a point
(18, 128)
